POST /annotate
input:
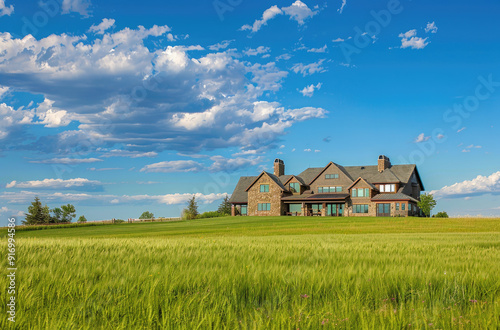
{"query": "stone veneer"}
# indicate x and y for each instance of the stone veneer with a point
(273, 196)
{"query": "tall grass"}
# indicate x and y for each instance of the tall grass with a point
(425, 280)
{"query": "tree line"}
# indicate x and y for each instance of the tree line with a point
(39, 214)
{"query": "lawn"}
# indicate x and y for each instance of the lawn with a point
(273, 272)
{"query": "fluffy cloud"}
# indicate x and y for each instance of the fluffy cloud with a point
(298, 11)
(257, 51)
(221, 45)
(77, 6)
(67, 161)
(422, 138)
(55, 184)
(318, 50)
(221, 164)
(129, 154)
(11, 212)
(309, 69)
(5, 10)
(481, 185)
(309, 90)
(98, 199)
(124, 93)
(431, 27)
(410, 39)
(173, 166)
(12, 120)
(103, 26)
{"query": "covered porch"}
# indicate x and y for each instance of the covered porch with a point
(324, 205)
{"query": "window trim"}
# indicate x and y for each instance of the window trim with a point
(260, 207)
(264, 185)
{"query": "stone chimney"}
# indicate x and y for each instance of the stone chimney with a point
(279, 167)
(383, 163)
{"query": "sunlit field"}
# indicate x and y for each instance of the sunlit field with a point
(261, 273)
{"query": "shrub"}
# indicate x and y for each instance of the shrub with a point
(186, 215)
(441, 215)
(211, 214)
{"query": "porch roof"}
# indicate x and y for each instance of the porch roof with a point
(315, 198)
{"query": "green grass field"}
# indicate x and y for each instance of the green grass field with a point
(260, 273)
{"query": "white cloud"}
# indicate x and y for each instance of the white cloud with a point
(318, 50)
(341, 9)
(268, 14)
(127, 153)
(431, 27)
(309, 90)
(51, 116)
(297, 11)
(11, 212)
(173, 166)
(54, 184)
(3, 91)
(24, 197)
(309, 69)
(13, 119)
(221, 164)
(257, 51)
(409, 39)
(440, 136)
(5, 10)
(103, 26)
(285, 57)
(77, 6)
(317, 150)
(462, 129)
(338, 40)
(422, 138)
(67, 161)
(221, 45)
(481, 185)
(307, 150)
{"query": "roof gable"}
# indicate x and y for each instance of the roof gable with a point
(273, 177)
(361, 179)
(340, 168)
(294, 177)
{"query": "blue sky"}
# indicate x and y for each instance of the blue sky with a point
(119, 108)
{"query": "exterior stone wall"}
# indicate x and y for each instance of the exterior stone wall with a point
(273, 197)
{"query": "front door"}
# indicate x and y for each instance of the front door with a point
(383, 210)
(243, 210)
(333, 210)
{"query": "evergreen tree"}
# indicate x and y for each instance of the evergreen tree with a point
(68, 213)
(37, 214)
(225, 206)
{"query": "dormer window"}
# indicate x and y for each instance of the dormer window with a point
(294, 187)
(361, 192)
(388, 188)
(331, 176)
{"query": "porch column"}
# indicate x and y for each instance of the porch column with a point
(323, 210)
(233, 212)
(303, 209)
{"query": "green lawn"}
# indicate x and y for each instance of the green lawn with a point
(262, 273)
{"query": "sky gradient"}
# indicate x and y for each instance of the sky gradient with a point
(119, 108)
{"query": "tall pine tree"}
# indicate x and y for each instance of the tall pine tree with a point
(37, 214)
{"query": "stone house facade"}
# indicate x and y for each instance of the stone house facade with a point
(334, 190)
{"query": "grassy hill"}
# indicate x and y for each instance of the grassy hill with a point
(286, 272)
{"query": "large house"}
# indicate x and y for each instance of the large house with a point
(333, 190)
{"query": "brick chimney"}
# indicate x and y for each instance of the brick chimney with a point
(279, 167)
(383, 163)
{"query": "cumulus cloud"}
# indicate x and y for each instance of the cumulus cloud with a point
(309, 90)
(173, 166)
(55, 184)
(422, 138)
(103, 26)
(222, 164)
(256, 51)
(431, 27)
(410, 39)
(5, 10)
(481, 185)
(77, 6)
(338, 40)
(309, 69)
(11, 212)
(67, 161)
(24, 197)
(297, 11)
(163, 96)
(13, 120)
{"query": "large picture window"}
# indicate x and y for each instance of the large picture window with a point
(264, 206)
(264, 188)
(360, 208)
(387, 188)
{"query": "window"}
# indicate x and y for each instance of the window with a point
(361, 192)
(397, 206)
(295, 187)
(338, 189)
(295, 208)
(264, 206)
(329, 189)
(243, 210)
(387, 188)
(331, 176)
(367, 192)
(360, 208)
(317, 207)
(355, 193)
(403, 206)
(264, 188)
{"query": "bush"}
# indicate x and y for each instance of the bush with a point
(186, 215)
(211, 214)
(441, 215)
(119, 221)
